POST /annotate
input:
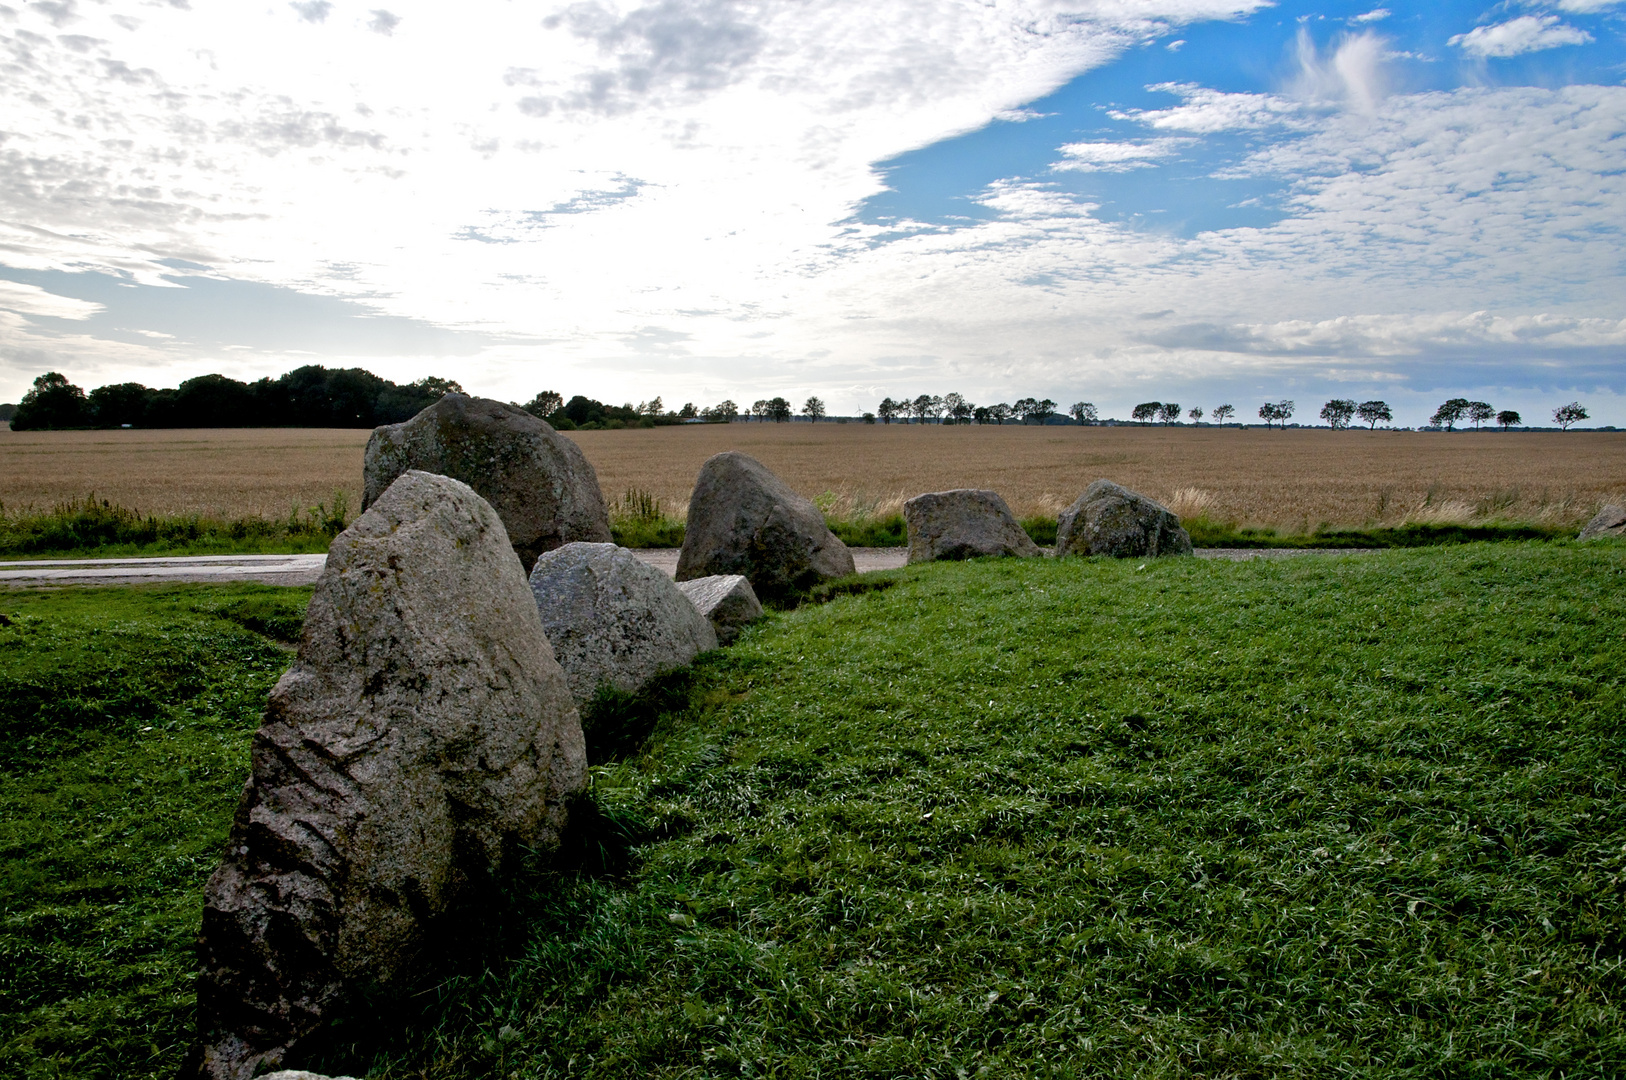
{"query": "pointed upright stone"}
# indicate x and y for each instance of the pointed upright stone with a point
(423, 735)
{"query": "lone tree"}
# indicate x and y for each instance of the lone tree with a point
(1000, 412)
(813, 408)
(887, 409)
(1508, 418)
(779, 410)
(1044, 409)
(1146, 411)
(958, 408)
(1479, 412)
(1337, 413)
(1223, 413)
(1196, 414)
(1169, 412)
(1447, 415)
(544, 404)
(1372, 412)
(1084, 412)
(759, 409)
(1278, 411)
(1564, 414)
(921, 407)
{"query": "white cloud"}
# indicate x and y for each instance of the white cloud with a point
(1585, 7)
(1375, 15)
(1205, 112)
(1526, 34)
(33, 300)
(1115, 156)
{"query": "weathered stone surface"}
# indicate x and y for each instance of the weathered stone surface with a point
(613, 619)
(422, 733)
(727, 601)
(537, 480)
(963, 524)
(1112, 520)
(1611, 521)
(744, 520)
(300, 1074)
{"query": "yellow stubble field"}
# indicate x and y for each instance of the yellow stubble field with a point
(1292, 480)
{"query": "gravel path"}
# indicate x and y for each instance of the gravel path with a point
(304, 569)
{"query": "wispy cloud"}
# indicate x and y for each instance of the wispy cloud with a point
(1115, 156)
(1526, 34)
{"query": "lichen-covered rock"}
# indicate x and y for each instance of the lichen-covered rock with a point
(613, 619)
(300, 1074)
(423, 734)
(727, 601)
(963, 524)
(1610, 521)
(537, 480)
(744, 520)
(1112, 520)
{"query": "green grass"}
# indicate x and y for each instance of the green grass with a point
(98, 529)
(1345, 816)
(124, 724)
(1208, 533)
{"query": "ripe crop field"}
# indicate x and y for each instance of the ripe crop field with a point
(1289, 480)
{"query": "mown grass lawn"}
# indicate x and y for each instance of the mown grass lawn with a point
(1331, 816)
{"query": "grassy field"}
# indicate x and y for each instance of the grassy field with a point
(1288, 481)
(1335, 816)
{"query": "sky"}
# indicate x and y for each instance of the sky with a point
(1203, 201)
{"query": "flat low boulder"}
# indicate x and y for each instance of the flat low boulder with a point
(1610, 521)
(538, 481)
(963, 524)
(727, 601)
(745, 520)
(613, 619)
(423, 735)
(1112, 520)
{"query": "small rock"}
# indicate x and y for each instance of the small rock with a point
(1611, 521)
(614, 619)
(963, 524)
(744, 520)
(423, 734)
(537, 480)
(1112, 520)
(726, 600)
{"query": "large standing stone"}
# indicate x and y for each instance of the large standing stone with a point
(537, 480)
(614, 619)
(1611, 521)
(726, 600)
(423, 733)
(744, 520)
(1112, 520)
(963, 524)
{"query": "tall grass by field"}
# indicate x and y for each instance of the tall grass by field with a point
(97, 528)
(1344, 815)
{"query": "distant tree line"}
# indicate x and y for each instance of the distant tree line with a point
(311, 396)
(955, 409)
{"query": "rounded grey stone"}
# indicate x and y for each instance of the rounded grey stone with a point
(745, 520)
(538, 481)
(613, 619)
(963, 524)
(1610, 521)
(1112, 520)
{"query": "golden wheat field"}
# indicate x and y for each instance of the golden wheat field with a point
(1292, 480)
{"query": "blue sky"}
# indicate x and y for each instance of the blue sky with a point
(1113, 201)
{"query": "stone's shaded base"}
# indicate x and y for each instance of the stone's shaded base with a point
(423, 735)
(1610, 521)
(745, 520)
(963, 524)
(1112, 520)
(727, 601)
(613, 619)
(538, 481)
